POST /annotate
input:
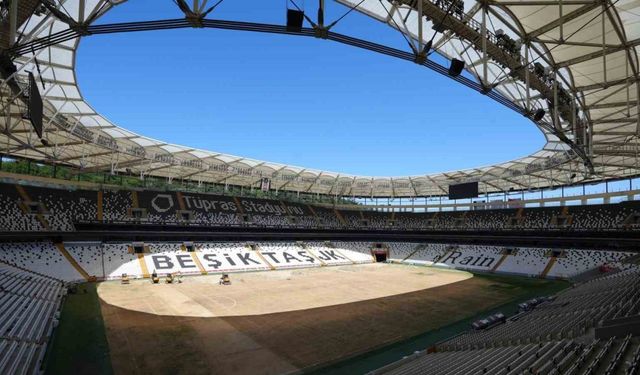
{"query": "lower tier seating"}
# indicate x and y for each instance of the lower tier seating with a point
(112, 260)
(525, 261)
(77, 261)
(555, 338)
(29, 307)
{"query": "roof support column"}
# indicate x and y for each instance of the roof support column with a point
(556, 118)
(638, 109)
(560, 18)
(420, 14)
(13, 21)
(7, 119)
(81, 7)
(585, 140)
(590, 144)
(320, 16)
(483, 30)
(574, 119)
(526, 78)
(604, 42)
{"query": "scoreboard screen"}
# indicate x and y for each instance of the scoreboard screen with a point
(462, 191)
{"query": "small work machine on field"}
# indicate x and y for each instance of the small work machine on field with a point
(224, 279)
(169, 279)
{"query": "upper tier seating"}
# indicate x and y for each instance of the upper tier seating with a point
(30, 208)
(64, 206)
(117, 205)
(600, 216)
(327, 217)
(13, 216)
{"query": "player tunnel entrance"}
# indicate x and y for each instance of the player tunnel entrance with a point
(381, 256)
(380, 252)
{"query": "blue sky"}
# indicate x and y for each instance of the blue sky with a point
(301, 101)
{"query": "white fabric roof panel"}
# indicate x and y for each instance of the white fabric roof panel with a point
(603, 78)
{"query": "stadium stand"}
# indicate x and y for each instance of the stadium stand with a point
(554, 338)
(410, 220)
(491, 219)
(117, 205)
(288, 255)
(40, 257)
(329, 217)
(33, 277)
(356, 252)
(518, 261)
(569, 67)
(477, 258)
(572, 263)
(154, 207)
(64, 206)
(601, 216)
(15, 213)
(525, 261)
(37, 208)
(230, 257)
(106, 261)
(328, 254)
(29, 309)
(111, 260)
(402, 250)
(570, 315)
(423, 254)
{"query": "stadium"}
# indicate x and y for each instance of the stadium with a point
(125, 254)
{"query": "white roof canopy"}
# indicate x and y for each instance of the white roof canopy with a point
(587, 49)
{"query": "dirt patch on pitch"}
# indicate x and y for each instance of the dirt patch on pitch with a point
(284, 342)
(258, 293)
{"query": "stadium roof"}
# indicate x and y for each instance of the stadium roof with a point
(575, 59)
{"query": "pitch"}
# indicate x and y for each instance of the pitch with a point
(283, 321)
(257, 293)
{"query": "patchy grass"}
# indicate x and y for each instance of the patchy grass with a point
(519, 288)
(79, 344)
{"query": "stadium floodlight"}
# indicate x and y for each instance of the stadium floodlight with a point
(295, 19)
(539, 115)
(456, 67)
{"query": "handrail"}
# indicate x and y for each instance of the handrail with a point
(176, 223)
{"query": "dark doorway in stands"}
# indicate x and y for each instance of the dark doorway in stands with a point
(381, 256)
